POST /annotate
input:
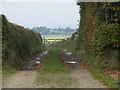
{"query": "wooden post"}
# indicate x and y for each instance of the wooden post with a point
(44, 41)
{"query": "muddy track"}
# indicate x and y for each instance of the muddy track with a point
(27, 78)
(80, 72)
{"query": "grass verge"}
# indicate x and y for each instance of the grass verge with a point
(57, 81)
(94, 63)
(52, 64)
(53, 74)
(99, 74)
(7, 71)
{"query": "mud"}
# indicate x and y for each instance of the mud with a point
(34, 63)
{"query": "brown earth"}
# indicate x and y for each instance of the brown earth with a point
(79, 72)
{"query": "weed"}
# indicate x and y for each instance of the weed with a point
(53, 64)
(53, 74)
(94, 68)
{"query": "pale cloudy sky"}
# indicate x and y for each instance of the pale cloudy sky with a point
(38, 0)
(49, 13)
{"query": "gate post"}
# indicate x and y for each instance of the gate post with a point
(44, 41)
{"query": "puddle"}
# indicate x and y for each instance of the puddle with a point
(68, 53)
(37, 62)
(34, 63)
(37, 58)
(45, 52)
(71, 62)
(69, 59)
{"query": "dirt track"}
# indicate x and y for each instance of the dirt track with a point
(22, 79)
(27, 79)
(86, 80)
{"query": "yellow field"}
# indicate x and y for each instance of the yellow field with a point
(55, 36)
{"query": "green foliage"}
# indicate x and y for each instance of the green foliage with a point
(82, 29)
(106, 80)
(99, 29)
(52, 64)
(106, 35)
(8, 69)
(56, 31)
(106, 28)
(95, 67)
(58, 81)
(18, 42)
(54, 72)
(99, 37)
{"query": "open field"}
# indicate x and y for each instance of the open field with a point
(55, 36)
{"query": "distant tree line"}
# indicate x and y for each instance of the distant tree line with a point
(56, 31)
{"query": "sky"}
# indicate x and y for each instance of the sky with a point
(36, 13)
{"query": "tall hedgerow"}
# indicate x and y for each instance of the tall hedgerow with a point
(18, 43)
